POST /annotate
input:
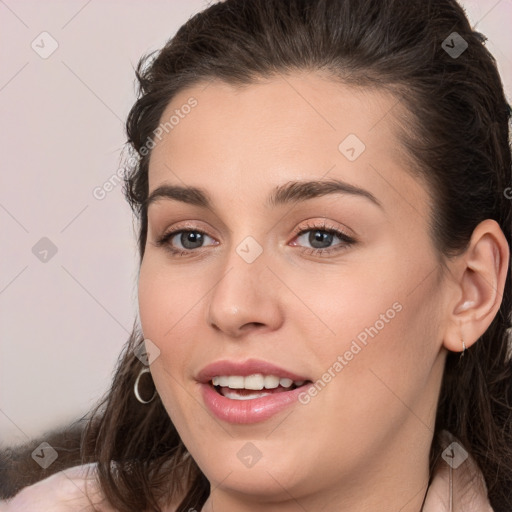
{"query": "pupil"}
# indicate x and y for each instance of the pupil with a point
(319, 236)
(191, 237)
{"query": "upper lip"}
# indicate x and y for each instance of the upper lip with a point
(244, 368)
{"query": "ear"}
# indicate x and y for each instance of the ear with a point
(479, 280)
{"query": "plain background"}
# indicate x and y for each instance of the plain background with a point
(64, 321)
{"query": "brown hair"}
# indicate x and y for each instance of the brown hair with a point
(458, 141)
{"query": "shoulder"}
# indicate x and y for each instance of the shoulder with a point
(72, 489)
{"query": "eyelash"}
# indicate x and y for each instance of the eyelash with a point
(346, 240)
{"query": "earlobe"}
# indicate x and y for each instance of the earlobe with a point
(480, 275)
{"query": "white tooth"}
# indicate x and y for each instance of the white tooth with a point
(271, 381)
(233, 395)
(255, 381)
(235, 382)
(286, 383)
(223, 381)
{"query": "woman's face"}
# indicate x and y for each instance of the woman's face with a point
(358, 317)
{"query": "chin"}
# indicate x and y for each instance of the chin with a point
(269, 476)
(260, 485)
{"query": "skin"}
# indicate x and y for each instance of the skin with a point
(362, 443)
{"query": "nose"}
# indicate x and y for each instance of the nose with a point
(245, 298)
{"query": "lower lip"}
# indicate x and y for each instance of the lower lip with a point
(248, 411)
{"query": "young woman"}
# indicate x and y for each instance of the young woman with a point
(324, 195)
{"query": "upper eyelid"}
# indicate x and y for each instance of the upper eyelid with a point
(320, 226)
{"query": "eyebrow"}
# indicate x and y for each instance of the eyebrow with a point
(291, 192)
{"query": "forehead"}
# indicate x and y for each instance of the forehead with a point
(241, 141)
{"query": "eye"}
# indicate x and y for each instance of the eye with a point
(321, 237)
(190, 239)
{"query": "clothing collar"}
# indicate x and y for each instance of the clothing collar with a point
(458, 484)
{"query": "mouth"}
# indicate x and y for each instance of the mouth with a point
(250, 391)
(251, 387)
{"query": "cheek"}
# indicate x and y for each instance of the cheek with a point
(148, 292)
(388, 351)
(377, 368)
(165, 297)
(383, 322)
(362, 301)
(170, 316)
(162, 303)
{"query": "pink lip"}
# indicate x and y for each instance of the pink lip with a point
(246, 411)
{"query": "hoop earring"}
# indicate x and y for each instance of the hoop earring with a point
(463, 348)
(136, 388)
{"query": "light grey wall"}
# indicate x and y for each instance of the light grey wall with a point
(63, 321)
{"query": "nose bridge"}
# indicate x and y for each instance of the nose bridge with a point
(244, 292)
(243, 273)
